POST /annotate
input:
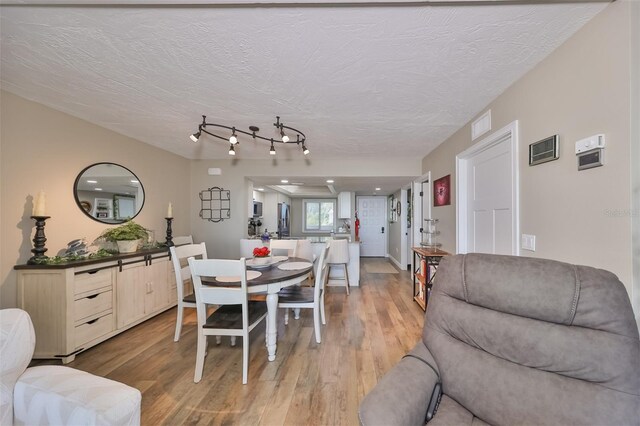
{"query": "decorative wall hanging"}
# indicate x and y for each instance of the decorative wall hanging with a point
(442, 191)
(215, 204)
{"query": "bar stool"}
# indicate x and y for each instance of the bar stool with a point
(339, 256)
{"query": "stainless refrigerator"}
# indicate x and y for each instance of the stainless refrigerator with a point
(283, 220)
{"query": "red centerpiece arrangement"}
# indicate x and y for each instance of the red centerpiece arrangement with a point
(260, 254)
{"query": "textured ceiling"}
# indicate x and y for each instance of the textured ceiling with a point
(359, 81)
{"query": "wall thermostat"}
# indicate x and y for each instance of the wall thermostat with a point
(592, 142)
(590, 159)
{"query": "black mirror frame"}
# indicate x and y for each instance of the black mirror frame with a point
(79, 203)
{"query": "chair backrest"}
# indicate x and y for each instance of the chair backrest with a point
(247, 246)
(179, 256)
(219, 295)
(321, 273)
(17, 342)
(304, 250)
(339, 251)
(283, 247)
(559, 339)
(182, 240)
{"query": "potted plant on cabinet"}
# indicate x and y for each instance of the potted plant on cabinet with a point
(127, 236)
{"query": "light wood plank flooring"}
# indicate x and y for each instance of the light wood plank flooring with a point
(308, 383)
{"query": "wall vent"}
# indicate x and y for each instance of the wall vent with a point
(544, 150)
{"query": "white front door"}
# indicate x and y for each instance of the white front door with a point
(372, 212)
(487, 191)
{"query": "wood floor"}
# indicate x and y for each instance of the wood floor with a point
(308, 383)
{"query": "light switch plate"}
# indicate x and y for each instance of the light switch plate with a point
(528, 242)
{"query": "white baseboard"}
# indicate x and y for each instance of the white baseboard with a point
(395, 262)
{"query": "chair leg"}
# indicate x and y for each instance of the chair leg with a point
(324, 320)
(176, 336)
(296, 313)
(346, 278)
(245, 357)
(218, 340)
(286, 316)
(200, 356)
(233, 341)
(316, 323)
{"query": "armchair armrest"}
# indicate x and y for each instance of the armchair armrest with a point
(61, 395)
(402, 395)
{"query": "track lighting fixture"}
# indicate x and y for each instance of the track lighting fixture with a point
(205, 127)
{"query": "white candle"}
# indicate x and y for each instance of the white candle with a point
(170, 211)
(39, 205)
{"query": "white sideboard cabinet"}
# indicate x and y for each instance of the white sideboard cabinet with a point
(77, 305)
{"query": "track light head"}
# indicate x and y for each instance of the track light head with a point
(232, 150)
(194, 137)
(233, 139)
(305, 150)
(272, 151)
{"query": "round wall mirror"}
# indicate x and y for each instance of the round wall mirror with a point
(108, 193)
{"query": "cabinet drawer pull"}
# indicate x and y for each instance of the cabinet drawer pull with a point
(92, 272)
(93, 296)
(93, 321)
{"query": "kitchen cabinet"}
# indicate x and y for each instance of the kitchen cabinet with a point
(344, 205)
(76, 305)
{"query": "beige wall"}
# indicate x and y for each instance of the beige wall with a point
(45, 149)
(395, 234)
(580, 90)
(222, 238)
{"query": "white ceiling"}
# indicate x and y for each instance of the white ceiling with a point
(305, 186)
(360, 81)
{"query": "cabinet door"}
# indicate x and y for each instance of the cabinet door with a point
(158, 286)
(131, 293)
(344, 205)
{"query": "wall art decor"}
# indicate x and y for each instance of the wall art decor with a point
(442, 191)
(215, 204)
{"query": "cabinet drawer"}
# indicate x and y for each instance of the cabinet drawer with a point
(93, 304)
(93, 329)
(88, 281)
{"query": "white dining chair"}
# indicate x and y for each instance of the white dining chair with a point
(235, 316)
(283, 247)
(339, 256)
(304, 250)
(297, 297)
(179, 256)
(182, 240)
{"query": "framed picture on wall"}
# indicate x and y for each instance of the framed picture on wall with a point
(442, 191)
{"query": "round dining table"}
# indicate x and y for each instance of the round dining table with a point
(271, 281)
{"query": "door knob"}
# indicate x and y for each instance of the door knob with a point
(383, 229)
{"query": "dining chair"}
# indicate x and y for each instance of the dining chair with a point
(182, 240)
(179, 256)
(308, 297)
(281, 245)
(304, 250)
(339, 256)
(235, 316)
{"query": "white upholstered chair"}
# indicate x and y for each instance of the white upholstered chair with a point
(182, 240)
(308, 297)
(53, 394)
(179, 256)
(339, 256)
(236, 316)
(283, 247)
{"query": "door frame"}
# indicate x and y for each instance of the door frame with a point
(417, 212)
(462, 162)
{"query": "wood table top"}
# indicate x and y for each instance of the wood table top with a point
(430, 252)
(269, 275)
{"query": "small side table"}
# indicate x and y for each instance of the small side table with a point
(425, 265)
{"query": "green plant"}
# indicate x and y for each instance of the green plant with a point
(126, 232)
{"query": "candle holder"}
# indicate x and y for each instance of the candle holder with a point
(169, 232)
(39, 239)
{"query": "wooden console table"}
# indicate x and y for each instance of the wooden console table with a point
(425, 264)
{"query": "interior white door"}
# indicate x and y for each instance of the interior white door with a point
(490, 200)
(372, 212)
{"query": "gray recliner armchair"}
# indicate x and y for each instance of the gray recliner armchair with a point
(518, 340)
